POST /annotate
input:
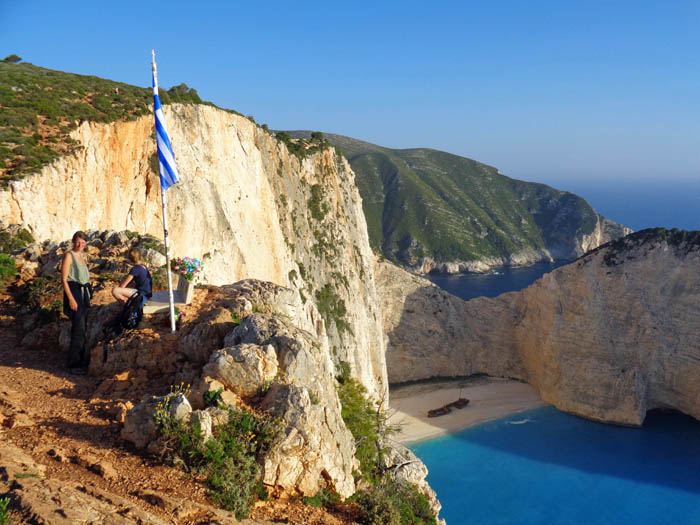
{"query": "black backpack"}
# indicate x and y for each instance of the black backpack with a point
(132, 313)
(128, 319)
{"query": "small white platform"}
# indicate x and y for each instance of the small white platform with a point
(159, 303)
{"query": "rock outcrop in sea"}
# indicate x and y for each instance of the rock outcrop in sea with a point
(608, 337)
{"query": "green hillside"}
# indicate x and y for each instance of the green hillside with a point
(423, 202)
(40, 107)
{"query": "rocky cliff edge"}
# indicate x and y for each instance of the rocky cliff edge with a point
(608, 337)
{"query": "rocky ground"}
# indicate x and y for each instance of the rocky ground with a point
(62, 458)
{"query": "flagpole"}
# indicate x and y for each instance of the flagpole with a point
(171, 299)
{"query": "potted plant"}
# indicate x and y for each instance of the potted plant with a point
(187, 270)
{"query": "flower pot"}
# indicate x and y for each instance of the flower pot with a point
(185, 290)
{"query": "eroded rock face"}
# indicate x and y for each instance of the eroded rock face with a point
(405, 466)
(316, 448)
(267, 351)
(608, 336)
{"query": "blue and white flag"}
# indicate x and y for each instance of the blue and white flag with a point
(166, 159)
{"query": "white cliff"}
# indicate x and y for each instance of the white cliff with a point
(607, 337)
(244, 206)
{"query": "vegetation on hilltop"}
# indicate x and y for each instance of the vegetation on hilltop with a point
(302, 147)
(428, 203)
(40, 107)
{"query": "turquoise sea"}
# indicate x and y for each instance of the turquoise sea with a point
(546, 467)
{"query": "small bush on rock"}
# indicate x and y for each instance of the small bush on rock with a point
(386, 501)
(10, 243)
(8, 268)
(212, 397)
(4, 511)
(393, 503)
(229, 460)
(37, 292)
(324, 498)
(362, 417)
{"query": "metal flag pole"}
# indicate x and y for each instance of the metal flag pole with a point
(165, 217)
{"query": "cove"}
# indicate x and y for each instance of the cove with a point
(544, 466)
(471, 285)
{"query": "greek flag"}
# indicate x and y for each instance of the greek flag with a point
(168, 170)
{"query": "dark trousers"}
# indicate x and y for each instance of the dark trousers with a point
(77, 355)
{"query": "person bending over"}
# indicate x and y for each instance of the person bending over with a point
(138, 280)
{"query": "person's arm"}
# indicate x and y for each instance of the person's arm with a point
(65, 269)
(126, 281)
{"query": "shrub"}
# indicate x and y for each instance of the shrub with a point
(394, 503)
(324, 498)
(363, 419)
(385, 501)
(332, 308)
(4, 511)
(8, 268)
(212, 397)
(35, 293)
(12, 59)
(160, 279)
(317, 206)
(50, 313)
(149, 243)
(10, 243)
(229, 460)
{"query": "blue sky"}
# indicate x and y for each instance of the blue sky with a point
(549, 91)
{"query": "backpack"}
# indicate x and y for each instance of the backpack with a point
(132, 313)
(128, 319)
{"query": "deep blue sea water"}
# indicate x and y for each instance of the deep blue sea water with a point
(639, 204)
(468, 286)
(546, 467)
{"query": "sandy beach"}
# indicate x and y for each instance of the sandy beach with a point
(489, 398)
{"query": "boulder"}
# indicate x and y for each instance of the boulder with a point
(140, 425)
(117, 239)
(243, 369)
(154, 257)
(32, 252)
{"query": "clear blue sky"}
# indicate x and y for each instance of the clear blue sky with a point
(548, 91)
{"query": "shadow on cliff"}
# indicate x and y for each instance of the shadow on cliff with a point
(663, 452)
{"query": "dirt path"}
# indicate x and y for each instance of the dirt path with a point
(56, 419)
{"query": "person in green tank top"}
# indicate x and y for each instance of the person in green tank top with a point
(75, 277)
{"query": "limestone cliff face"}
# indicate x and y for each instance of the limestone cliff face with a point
(608, 336)
(245, 206)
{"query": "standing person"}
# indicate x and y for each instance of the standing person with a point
(75, 277)
(139, 277)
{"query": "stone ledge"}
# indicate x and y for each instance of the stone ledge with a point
(159, 302)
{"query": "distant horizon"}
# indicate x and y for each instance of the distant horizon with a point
(543, 91)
